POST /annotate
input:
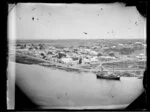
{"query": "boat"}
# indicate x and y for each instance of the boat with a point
(103, 75)
(108, 77)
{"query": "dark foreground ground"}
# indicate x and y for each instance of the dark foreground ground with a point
(141, 103)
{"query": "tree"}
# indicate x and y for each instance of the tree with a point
(111, 54)
(60, 55)
(30, 48)
(80, 60)
(99, 54)
(126, 51)
(41, 46)
(18, 45)
(75, 58)
(23, 46)
(49, 52)
(43, 55)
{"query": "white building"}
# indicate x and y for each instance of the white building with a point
(90, 51)
(108, 57)
(66, 60)
(94, 52)
(138, 42)
(84, 60)
(113, 47)
(144, 45)
(49, 57)
(120, 44)
(141, 56)
(94, 59)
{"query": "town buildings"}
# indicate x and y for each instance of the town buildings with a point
(86, 55)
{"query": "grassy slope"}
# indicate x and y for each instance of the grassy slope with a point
(27, 59)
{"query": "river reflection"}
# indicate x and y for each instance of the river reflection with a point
(57, 88)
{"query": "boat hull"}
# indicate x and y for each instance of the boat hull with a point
(108, 78)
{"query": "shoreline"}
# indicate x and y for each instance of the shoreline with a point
(72, 71)
(27, 59)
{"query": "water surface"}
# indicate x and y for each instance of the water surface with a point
(57, 88)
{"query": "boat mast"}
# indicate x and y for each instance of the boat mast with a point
(113, 67)
(101, 71)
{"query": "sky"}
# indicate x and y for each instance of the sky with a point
(75, 21)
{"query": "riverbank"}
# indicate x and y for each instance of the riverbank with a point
(27, 59)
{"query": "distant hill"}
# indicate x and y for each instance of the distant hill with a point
(87, 42)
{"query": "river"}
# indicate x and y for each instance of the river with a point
(53, 88)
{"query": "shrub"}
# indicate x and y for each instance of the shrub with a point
(112, 54)
(126, 74)
(99, 54)
(126, 51)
